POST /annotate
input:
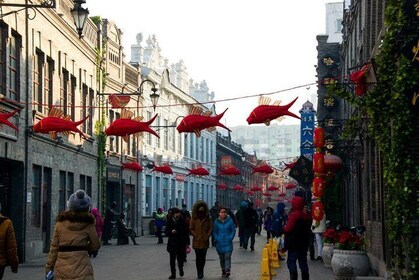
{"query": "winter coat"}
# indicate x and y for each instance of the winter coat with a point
(279, 219)
(200, 229)
(268, 221)
(319, 228)
(98, 221)
(240, 219)
(250, 218)
(160, 219)
(8, 247)
(74, 236)
(177, 241)
(297, 231)
(224, 232)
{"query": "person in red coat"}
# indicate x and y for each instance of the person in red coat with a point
(99, 227)
(297, 238)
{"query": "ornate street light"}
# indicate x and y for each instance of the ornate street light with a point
(80, 15)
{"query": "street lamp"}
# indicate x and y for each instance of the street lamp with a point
(79, 15)
(154, 96)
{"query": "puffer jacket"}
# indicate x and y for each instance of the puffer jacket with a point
(224, 232)
(297, 231)
(200, 229)
(74, 236)
(8, 247)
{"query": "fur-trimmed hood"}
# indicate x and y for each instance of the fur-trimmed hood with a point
(75, 220)
(196, 206)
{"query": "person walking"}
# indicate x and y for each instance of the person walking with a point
(200, 227)
(186, 215)
(99, 228)
(278, 223)
(250, 226)
(297, 234)
(108, 224)
(178, 237)
(268, 223)
(160, 221)
(319, 228)
(74, 236)
(224, 231)
(260, 220)
(240, 221)
(214, 215)
(8, 246)
(124, 231)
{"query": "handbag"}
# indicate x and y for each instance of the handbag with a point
(50, 275)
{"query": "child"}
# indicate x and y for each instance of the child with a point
(178, 232)
(224, 232)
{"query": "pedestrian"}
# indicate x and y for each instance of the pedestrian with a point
(109, 223)
(159, 222)
(240, 221)
(224, 231)
(99, 228)
(311, 240)
(124, 231)
(74, 236)
(268, 223)
(260, 220)
(178, 236)
(8, 246)
(184, 213)
(214, 215)
(250, 226)
(297, 234)
(200, 228)
(319, 228)
(278, 223)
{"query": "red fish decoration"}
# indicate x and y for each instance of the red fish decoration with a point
(199, 171)
(222, 187)
(360, 80)
(290, 186)
(4, 119)
(238, 188)
(282, 194)
(289, 165)
(126, 126)
(263, 168)
(265, 113)
(256, 189)
(133, 166)
(56, 122)
(165, 169)
(197, 120)
(272, 188)
(267, 194)
(231, 171)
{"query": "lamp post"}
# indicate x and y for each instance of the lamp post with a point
(80, 15)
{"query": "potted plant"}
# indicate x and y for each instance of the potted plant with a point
(330, 237)
(349, 256)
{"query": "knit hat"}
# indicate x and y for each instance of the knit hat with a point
(79, 201)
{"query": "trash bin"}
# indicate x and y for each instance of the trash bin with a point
(152, 227)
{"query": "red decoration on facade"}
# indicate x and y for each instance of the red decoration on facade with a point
(4, 119)
(272, 188)
(165, 169)
(290, 186)
(318, 137)
(318, 162)
(256, 189)
(238, 188)
(133, 166)
(358, 77)
(318, 186)
(118, 100)
(317, 210)
(266, 113)
(222, 187)
(267, 194)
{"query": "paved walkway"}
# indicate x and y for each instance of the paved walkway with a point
(150, 261)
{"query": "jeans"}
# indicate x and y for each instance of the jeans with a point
(225, 260)
(173, 257)
(159, 233)
(319, 241)
(201, 255)
(301, 256)
(249, 233)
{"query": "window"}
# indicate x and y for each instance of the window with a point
(158, 192)
(165, 135)
(36, 196)
(48, 84)
(72, 99)
(61, 190)
(148, 135)
(158, 139)
(90, 110)
(3, 40)
(82, 182)
(70, 184)
(14, 66)
(148, 195)
(179, 144)
(112, 138)
(38, 65)
(185, 191)
(166, 193)
(117, 116)
(201, 149)
(89, 186)
(83, 104)
(64, 91)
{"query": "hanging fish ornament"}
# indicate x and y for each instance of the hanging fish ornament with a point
(265, 113)
(126, 125)
(262, 168)
(231, 170)
(199, 171)
(197, 120)
(289, 165)
(133, 166)
(165, 168)
(4, 119)
(56, 123)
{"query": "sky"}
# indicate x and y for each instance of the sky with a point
(241, 48)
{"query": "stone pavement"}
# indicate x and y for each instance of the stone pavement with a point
(150, 261)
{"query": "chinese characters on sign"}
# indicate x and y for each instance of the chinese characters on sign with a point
(306, 132)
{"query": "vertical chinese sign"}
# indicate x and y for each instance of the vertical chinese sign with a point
(306, 130)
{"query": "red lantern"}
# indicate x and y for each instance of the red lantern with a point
(318, 138)
(222, 187)
(318, 186)
(318, 210)
(332, 163)
(318, 163)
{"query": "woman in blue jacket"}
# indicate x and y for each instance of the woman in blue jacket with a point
(224, 231)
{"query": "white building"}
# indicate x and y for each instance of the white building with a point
(334, 17)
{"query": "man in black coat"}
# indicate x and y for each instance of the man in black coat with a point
(250, 226)
(108, 223)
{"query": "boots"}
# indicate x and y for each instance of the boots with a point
(305, 276)
(293, 275)
(181, 273)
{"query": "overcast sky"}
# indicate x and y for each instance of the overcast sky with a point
(239, 47)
